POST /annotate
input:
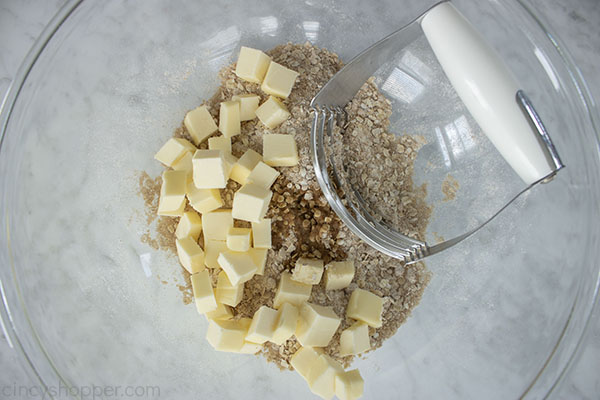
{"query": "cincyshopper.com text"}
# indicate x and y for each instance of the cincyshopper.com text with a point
(79, 392)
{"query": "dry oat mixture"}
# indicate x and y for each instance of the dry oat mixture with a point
(303, 223)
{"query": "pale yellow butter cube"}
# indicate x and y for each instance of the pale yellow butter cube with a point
(172, 192)
(280, 150)
(263, 175)
(263, 325)
(349, 385)
(226, 293)
(212, 249)
(221, 312)
(321, 377)
(210, 169)
(222, 143)
(190, 224)
(279, 80)
(355, 339)
(250, 348)
(239, 267)
(251, 202)
(317, 325)
(289, 291)
(171, 213)
(339, 274)
(204, 295)
(216, 224)
(174, 150)
(184, 163)
(259, 256)
(261, 233)
(286, 323)
(366, 307)
(272, 113)
(230, 161)
(204, 200)
(308, 270)
(238, 239)
(229, 118)
(200, 124)
(252, 65)
(303, 360)
(244, 166)
(190, 254)
(226, 335)
(248, 105)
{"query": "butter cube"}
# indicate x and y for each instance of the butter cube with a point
(190, 254)
(366, 307)
(171, 213)
(184, 163)
(280, 150)
(261, 233)
(272, 113)
(190, 224)
(303, 360)
(321, 377)
(252, 65)
(290, 291)
(262, 326)
(204, 200)
(244, 166)
(349, 385)
(200, 124)
(238, 239)
(226, 293)
(250, 203)
(339, 274)
(279, 80)
(222, 143)
(308, 270)
(285, 324)
(212, 249)
(216, 224)
(239, 267)
(226, 335)
(248, 105)
(172, 193)
(173, 150)
(230, 161)
(229, 118)
(355, 339)
(317, 325)
(221, 312)
(259, 256)
(250, 348)
(203, 292)
(263, 175)
(210, 169)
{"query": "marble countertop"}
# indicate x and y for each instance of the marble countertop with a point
(576, 21)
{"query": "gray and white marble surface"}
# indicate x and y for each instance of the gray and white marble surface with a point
(576, 21)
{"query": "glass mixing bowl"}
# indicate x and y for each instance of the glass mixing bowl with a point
(106, 85)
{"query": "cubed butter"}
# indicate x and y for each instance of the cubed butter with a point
(366, 307)
(286, 323)
(244, 166)
(251, 202)
(229, 118)
(174, 150)
(349, 385)
(200, 124)
(239, 267)
(204, 200)
(248, 105)
(230, 161)
(238, 239)
(210, 169)
(212, 249)
(190, 224)
(278, 80)
(204, 295)
(190, 254)
(262, 326)
(339, 274)
(252, 65)
(321, 377)
(355, 339)
(172, 193)
(272, 113)
(222, 143)
(184, 163)
(226, 293)
(221, 312)
(172, 213)
(261, 233)
(226, 335)
(263, 175)
(259, 256)
(216, 224)
(303, 360)
(279, 150)
(289, 291)
(308, 270)
(317, 325)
